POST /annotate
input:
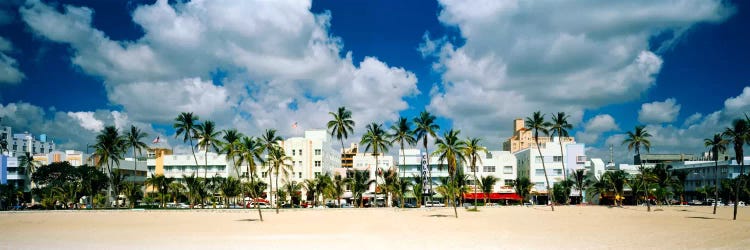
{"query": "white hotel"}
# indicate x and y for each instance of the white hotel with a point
(530, 163)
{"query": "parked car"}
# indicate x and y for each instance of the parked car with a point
(434, 204)
(695, 203)
(410, 205)
(260, 204)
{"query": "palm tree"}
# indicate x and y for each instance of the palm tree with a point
(635, 140)
(402, 186)
(231, 146)
(251, 149)
(536, 123)
(616, 180)
(560, 127)
(175, 189)
(360, 182)
(230, 187)
(208, 138)
(339, 187)
(401, 132)
(601, 187)
(579, 182)
(487, 184)
(109, 149)
(134, 137)
(28, 165)
(375, 139)
(452, 149)
(279, 164)
(738, 134)
(193, 184)
(322, 185)
(417, 187)
(523, 186)
(309, 186)
(185, 125)
(293, 188)
(390, 181)
(425, 126)
(472, 152)
(132, 191)
(341, 125)
(270, 141)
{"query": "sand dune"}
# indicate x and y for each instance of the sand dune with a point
(386, 228)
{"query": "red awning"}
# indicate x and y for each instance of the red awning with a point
(493, 196)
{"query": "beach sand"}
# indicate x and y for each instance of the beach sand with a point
(571, 227)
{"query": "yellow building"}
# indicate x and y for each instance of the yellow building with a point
(158, 155)
(523, 138)
(347, 157)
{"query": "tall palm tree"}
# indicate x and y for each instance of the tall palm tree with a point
(208, 139)
(451, 149)
(738, 134)
(109, 149)
(231, 146)
(472, 150)
(375, 139)
(425, 127)
(341, 125)
(716, 145)
(185, 125)
(250, 151)
(560, 127)
(401, 132)
(134, 137)
(390, 181)
(635, 140)
(175, 189)
(537, 124)
(278, 164)
(487, 183)
(270, 141)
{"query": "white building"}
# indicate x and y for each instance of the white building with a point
(18, 144)
(177, 166)
(366, 162)
(75, 158)
(530, 163)
(311, 155)
(10, 173)
(703, 174)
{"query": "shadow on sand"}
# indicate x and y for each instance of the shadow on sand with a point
(248, 220)
(439, 215)
(700, 217)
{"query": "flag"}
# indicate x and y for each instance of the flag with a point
(156, 140)
(294, 125)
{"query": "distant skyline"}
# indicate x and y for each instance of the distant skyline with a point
(69, 68)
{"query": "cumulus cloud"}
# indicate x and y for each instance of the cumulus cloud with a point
(9, 72)
(523, 56)
(687, 138)
(659, 112)
(594, 128)
(87, 120)
(279, 63)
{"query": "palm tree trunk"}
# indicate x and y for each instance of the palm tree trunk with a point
(565, 173)
(276, 194)
(193, 150)
(475, 184)
(135, 165)
(252, 193)
(429, 168)
(452, 195)
(739, 185)
(550, 194)
(716, 182)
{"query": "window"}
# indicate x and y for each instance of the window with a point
(317, 163)
(539, 186)
(488, 169)
(300, 175)
(557, 158)
(15, 147)
(539, 172)
(508, 170)
(264, 174)
(556, 171)
(317, 174)
(317, 152)
(294, 152)
(300, 152)
(300, 163)
(581, 159)
(509, 182)
(538, 159)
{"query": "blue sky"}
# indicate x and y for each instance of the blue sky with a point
(71, 67)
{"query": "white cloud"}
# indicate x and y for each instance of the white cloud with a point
(595, 126)
(9, 72)
(87, 121)
(739, 105)
(280, 63)
(659, 112)
(523, 56)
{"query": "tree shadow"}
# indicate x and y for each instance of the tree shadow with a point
(439, 215)
(248, 220)
(700, 217)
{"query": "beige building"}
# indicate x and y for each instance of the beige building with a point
(523, 138)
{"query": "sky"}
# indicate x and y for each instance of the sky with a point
(680, 68)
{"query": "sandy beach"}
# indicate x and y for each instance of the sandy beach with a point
(571, 227)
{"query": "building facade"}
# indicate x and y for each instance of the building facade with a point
(530, 163)
(19, 144)
(523, 138)
(176, 166)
